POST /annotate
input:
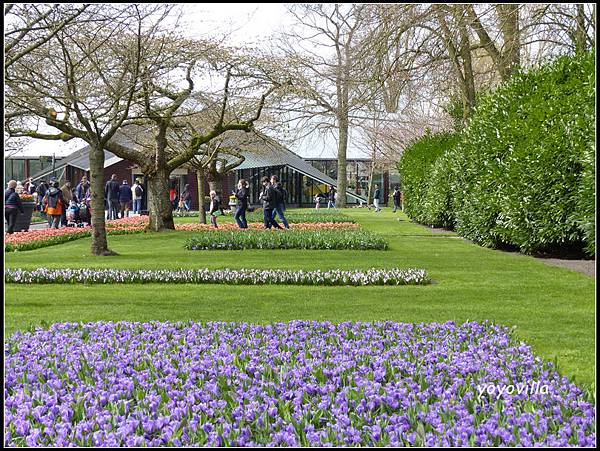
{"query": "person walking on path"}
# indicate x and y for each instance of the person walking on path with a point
(112, 192)
(281, 198)
(186, 197)
(125, 199)
(269, 200)
(54, 204)
(376, 198)
(241, 195)
(331, 197)
(396, 197)
(215, 208)
(67, 193)
(137, 192)
(12, 206)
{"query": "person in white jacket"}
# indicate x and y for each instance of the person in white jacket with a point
(137, 193)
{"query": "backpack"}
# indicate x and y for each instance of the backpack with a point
(138, 191)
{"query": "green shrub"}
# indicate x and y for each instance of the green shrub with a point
(525, 153)
(522, 173)
(287, 239)
(415, 165)
(437, 208)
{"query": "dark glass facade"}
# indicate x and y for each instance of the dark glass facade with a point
(301, 189)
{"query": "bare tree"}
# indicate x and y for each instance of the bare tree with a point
(204, 114)
(31, 25)
(82, 83)
(328, 72)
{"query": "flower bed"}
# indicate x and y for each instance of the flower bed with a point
(291, 216)
(373, 276)
(287, 239)
(34, 239)
(304, 217)
(299, 383)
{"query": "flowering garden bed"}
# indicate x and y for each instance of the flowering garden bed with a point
(373, 276)
(288, 239)
(298, 383)
(35, 239)
(292, 216)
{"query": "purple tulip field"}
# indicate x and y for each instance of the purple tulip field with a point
(302, 383)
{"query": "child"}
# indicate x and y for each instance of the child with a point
(317, 201)
(215, 208)
(181, 206)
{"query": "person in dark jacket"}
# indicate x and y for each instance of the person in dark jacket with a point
(331, 197)
(241, 195)
(396, 197)
(12, 206)
(281, 198)
(41, 193)
(186, 197)
(82, 190)
(376, 198)
(215, 208)
(54, 204)
(112, 191)
(269, 199)
(125, 198)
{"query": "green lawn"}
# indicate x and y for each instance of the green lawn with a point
(553, 309)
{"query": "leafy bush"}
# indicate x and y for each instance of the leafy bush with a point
(287, 239)
(522, 172)
(414, 167)
(525, 153)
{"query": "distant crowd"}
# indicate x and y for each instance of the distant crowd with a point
(70, 206)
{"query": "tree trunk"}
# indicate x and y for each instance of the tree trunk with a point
(509, 25)
(342, 181)
(214, 180)
(99, 241)
(468, 76)
(159, 205)
(580, 33)
(201, 194)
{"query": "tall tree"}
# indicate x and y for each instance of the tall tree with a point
(82, 82)
(204, 113)
(325, 55)
(505, 54)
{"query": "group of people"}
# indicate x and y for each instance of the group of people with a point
(330, 198)
(396, 196)
(273, 196)
(51, 200)
(119, 197)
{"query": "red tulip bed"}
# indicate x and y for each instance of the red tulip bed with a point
(35, 239)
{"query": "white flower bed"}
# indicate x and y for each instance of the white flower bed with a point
(373, 276)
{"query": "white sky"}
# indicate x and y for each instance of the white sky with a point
(245, 23)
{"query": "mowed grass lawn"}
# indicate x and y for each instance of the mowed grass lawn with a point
(553, 309)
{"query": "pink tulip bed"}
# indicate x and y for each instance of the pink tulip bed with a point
(35, 239)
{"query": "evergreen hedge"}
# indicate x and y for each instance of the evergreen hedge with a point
(522, 172)
(414, 168)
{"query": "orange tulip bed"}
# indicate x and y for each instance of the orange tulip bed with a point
(35, 239)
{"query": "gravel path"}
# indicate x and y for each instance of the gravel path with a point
(587, 267)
